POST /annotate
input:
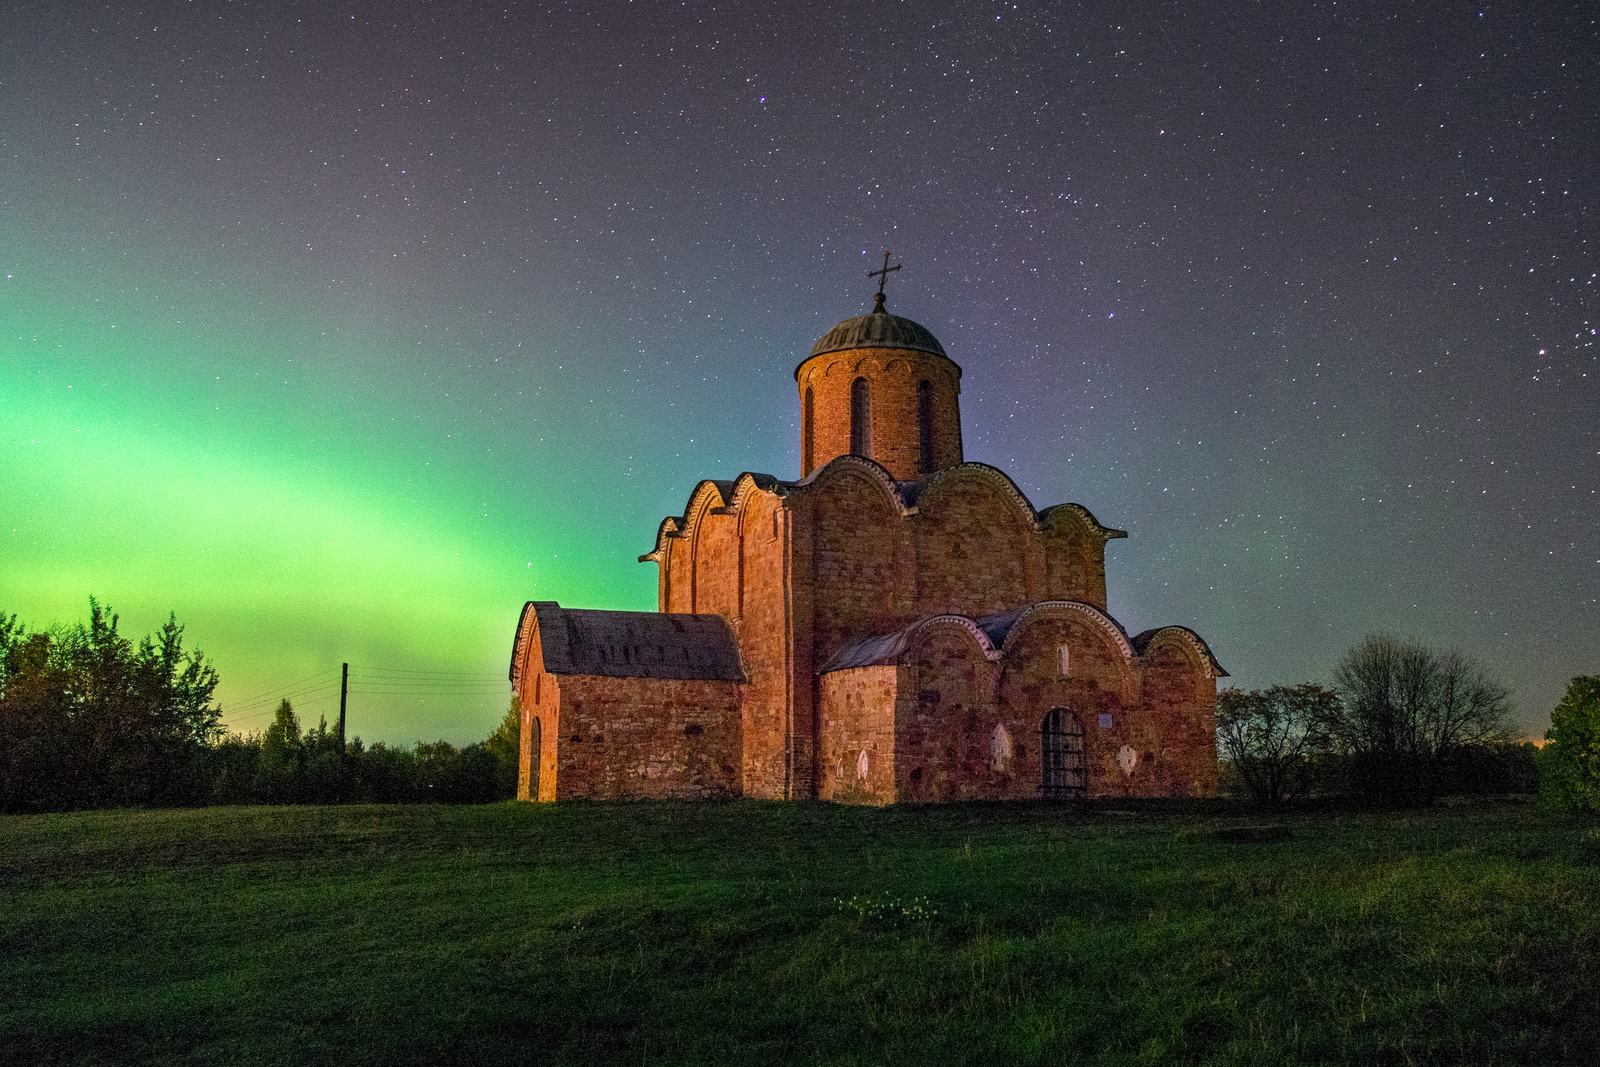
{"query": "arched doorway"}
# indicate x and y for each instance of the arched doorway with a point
(1061, 744)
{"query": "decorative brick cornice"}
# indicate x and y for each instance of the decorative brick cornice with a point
(982, 472)
(1065, 609)
(960, 622)
(716, 495)
(839, 465)
(1059, 512)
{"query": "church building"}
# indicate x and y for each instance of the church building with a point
(897, 624)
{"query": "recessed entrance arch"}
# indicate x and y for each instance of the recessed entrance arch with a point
(1061, 745)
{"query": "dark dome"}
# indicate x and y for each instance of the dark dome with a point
(878, 329)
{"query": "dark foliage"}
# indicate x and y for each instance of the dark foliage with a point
(505, 745)
(284, 765)
(1271, 737)
(1569, 763)
(88, 719)
(1408, 718)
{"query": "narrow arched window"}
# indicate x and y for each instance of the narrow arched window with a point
(807, 450)
(860, 419)
(535, 757)
(925, 424)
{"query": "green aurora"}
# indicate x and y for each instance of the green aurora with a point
(290, 524)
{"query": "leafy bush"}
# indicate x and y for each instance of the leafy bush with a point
(1569, 762)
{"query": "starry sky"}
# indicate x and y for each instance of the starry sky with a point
(341, 329)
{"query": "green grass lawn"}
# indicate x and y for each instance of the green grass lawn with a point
(675, 933)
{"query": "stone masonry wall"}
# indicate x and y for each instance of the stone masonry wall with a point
(857, 562)
(1098, 682)
(948, 713)
(1180, 706)
(647, 739)
(540, 697)
(763, 629)
(971, 550)
(858, 739)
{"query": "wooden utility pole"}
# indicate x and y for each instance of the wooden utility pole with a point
(344, 691)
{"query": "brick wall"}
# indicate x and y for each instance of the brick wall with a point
(1180, 703)
(892, 375)
(647, 739)
(971, 547)
(857, 561)
(1098, 680)
(949, 713)
(541, 704)
(857, 756)
(763, 630)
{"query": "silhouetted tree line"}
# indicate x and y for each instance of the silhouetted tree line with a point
(285, 765)
(1402, 724)
(88, 719)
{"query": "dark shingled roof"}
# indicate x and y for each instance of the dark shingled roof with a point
(1141, 641)
(637, 644)
(887, 648)
(878, 329)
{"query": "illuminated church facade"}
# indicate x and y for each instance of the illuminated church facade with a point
(895, 625)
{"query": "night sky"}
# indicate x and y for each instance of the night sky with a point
(342, 329)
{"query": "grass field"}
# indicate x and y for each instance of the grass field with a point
(662, 933)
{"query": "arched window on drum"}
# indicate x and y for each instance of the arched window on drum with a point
(860, 418)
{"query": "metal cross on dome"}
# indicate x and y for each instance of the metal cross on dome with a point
(883, 277)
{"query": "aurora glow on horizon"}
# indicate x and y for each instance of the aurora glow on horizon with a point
(341, 330)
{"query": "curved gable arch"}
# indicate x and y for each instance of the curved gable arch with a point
(1078, 515)
(1068, 609)
(991, 477)
(747, 483)
(975, 541)
(670, 527)
(859, 466)
(1191, 644)
(709, 495)
(1101, 623)
(936, 624)
(520, 644)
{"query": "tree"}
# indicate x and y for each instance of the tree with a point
(1270, 736)
(1404, 712)
(505, 745)
(1569, 762)
(88, 718)
(279, 775)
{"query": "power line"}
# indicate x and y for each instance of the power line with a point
(291, 685)
(387, 682)
(300, 691)
(440, 674)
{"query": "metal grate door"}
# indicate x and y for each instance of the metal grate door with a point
(1061, 742)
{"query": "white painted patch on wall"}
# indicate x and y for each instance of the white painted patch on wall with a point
(1000, 749)
(1127, 759)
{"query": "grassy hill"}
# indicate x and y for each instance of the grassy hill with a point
(663, 933)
